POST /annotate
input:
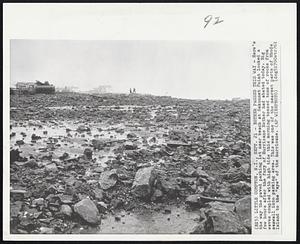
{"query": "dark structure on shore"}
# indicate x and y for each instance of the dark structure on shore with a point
(34, 88)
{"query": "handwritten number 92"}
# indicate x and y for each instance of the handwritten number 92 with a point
(215, 20)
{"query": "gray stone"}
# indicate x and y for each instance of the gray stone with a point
(102, 206)
(83, 128)
(108, 179)
(66, 210)
(31, 163)
(98, 144)
(157, 195)
(143, 182)
(15, 209)
(87, 210)
(88, 153)
(201, 173)
(240, 188)
(188, 171)
(46, 230)
(38, 202)
(243, 209)
(51, 167)
(131, 135)
(193, 199)
(98, 194)
(130, 145)
(170, 187)
(223, 222)
(176, 144)
(66, 199)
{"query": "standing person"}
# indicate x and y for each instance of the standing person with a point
(130, 91)
(133, 90)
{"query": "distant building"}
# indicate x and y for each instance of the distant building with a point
(25, 87)
(34, 87)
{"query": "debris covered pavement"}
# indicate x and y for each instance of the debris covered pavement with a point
(114, 163)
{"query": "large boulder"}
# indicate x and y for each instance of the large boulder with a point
(243, 209)
(88, 211)
(220, 218)
(223, 222)
(143, 182)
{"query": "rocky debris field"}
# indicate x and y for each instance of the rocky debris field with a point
(129, 164)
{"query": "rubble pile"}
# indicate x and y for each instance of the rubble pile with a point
(77, 159)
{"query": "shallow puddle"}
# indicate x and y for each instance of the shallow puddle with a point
(62, 137)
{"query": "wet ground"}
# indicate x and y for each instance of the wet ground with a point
(129, 164)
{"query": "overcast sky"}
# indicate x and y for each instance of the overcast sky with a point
(187, 69)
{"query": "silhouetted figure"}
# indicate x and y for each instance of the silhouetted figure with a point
(133, 90)
(130, 91)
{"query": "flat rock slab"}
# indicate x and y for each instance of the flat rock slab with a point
(87, 210)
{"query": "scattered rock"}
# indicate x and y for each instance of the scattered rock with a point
(194, 200)
(143, 182)
(15, 156)
(131, 135)
(243, 209)
(51, 167)
(88, 153)
(66, 210)
(97, 144)
(66, 199)
(176, 144)
(34, 137)
(157, 196)
(87, 210)
(130, 145)
(98, 194)
(167, 211)
(15, 209)
(223, 222)
(240, 188)
(46, 230)
(83, 128)
(170, 187)
(197, 147)
(38, 202)
(108, 179)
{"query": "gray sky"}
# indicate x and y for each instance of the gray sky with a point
(187, 69)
